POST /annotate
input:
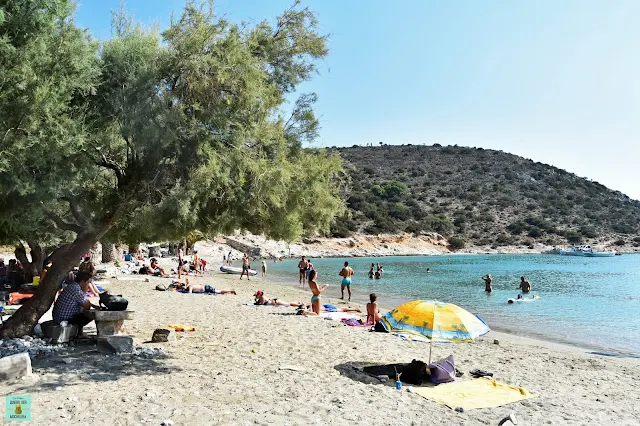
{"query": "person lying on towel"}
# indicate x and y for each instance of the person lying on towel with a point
(197, 288)
(260, 299)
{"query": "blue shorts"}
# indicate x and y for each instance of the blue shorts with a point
(346, 281)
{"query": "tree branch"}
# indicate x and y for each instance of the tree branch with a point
(75, 211)
(61, 224)
(110, 164)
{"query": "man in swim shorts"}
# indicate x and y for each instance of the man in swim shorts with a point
(525, 286)
(246, 266)
(346, 273)
(302, 266)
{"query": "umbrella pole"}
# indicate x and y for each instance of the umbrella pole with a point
(430, 346)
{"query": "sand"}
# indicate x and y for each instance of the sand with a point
(232, 370)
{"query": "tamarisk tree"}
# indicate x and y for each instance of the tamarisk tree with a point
(155, 134)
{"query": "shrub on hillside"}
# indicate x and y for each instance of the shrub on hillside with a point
(574, 237)
(456, 243)
(619, 242)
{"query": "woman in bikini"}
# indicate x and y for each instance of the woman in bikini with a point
(260, 299)
(373, 311)
(316, 290)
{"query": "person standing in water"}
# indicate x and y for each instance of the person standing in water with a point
(371, 273)
(487, 283)
(302, 266)
(346, 273)
(264, 268)
(525, 286)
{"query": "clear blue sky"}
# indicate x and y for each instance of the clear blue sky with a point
(554, 81)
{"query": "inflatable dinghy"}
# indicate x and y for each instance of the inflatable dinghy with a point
(235, 270)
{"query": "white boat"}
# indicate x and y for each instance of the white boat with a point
(586, 251)
(235, 270)
(595, 253)
(575, 251)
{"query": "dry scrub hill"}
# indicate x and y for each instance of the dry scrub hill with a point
(477, 196)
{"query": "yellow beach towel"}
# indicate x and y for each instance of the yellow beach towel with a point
(478, 393)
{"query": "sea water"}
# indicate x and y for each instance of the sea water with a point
(591, 302)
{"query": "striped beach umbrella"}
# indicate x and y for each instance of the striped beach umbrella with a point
(438, 321)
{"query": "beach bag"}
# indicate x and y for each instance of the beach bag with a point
(113, 303)
(443, 371)
(379, 327)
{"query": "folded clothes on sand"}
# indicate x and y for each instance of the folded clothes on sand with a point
(477, 393)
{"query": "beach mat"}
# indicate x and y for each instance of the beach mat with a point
(337, 316)
(471, 394)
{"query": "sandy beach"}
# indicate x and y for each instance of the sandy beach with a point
(233, 369)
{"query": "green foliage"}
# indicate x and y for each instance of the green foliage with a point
(619, 242)
(574, 237)
(456, 243)
(503, 193)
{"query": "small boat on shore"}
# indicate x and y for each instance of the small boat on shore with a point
(595, 253)
(586, 251)
(235, 270)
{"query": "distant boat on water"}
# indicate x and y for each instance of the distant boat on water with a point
(586, 251)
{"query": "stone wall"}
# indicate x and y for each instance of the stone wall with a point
(252, 250)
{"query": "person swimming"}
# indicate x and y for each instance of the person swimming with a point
(487, 283)
(525, 286)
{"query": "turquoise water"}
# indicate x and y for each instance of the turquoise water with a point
(592, 302)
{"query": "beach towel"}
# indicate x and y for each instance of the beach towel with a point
(331, 308)
(181, 327)
(412, 337)
(337, 315)
(352, 322)
(478, 393)
(16, 296)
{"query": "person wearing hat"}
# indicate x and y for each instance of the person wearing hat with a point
(487, 283)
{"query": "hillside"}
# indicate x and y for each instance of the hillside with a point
(480, 197)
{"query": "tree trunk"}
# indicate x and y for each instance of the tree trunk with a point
(63, 260)
(94, 252)
(37, 256)
(118, 250)
(108, 252)
(34, 267)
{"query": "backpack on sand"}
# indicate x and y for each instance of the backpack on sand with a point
(113, 303)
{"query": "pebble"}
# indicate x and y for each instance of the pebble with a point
(167, 422)
(34, 346)
(460, 409)
(496, 341)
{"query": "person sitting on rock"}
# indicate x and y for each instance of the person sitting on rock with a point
(197, 288)
(71, 303)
